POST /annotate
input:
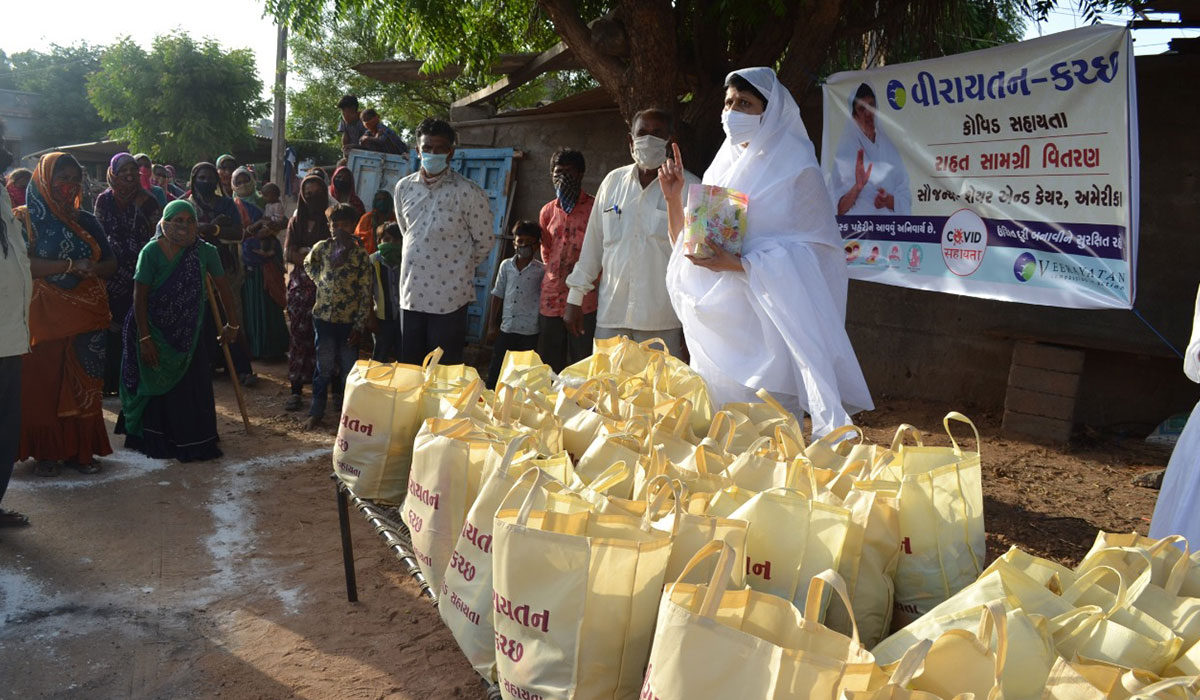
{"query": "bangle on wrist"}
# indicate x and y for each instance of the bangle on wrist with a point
(144, 338)
(70, 266)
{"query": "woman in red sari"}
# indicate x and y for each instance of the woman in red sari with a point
(70, 258)
(342, 190)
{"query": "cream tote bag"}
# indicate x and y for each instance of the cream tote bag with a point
(711, 642)
(791, 538)
(1115, 632)
(449, 458)
(465, 600)
(523, 368)
(575, 597)
(897, 684)
(963, 662)
(871, 554)
(381, 413)
(941, 524)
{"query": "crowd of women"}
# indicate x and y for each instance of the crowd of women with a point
(126, 301)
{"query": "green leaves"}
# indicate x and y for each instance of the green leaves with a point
(183, 101)
(60, 77)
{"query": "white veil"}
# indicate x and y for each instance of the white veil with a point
(781, 325)
(769, 170)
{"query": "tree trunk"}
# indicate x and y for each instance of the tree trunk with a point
(650, 76)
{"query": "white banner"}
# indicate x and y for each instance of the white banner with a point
(1009, 173)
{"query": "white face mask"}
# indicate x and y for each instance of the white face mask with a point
(649, 152)
(739, 126)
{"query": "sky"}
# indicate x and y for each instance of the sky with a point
(236, 24)
(1145, 41)
(240, 24)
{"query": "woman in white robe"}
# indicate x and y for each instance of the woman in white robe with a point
(865, 153)
(774, 317)
(1177, 511)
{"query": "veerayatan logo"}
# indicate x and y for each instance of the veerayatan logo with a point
(964, 242)
(896, 95)
(1024, 267)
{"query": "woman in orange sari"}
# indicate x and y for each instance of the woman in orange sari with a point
(70, 258)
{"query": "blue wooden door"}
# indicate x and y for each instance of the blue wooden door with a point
(491, 169)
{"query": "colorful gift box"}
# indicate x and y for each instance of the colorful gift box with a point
(715, 214)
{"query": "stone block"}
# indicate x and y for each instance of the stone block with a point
(1051, 357)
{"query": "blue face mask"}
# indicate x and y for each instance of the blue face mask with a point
(434, 163)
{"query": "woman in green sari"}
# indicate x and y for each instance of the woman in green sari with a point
(167, 401)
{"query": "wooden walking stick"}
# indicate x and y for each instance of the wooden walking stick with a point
(237, 382)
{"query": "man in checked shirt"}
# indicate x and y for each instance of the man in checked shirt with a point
(446, 225)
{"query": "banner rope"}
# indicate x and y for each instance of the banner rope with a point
(1160, 335)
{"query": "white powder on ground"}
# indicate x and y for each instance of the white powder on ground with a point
(231, 547)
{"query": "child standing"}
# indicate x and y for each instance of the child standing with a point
(516, 297)
(273, 210)
(385, 322)
(341, 272)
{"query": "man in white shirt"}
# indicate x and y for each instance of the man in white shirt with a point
(16, 290)
(627, 240)
(446, 225)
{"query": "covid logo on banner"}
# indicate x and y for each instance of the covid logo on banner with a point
(1024, 267)
(964, 242)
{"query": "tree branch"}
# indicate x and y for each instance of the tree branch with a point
(806, 51)
(569, 25)
(772, 39)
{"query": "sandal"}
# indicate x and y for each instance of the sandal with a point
(294, 403)
(89, 468)
(11, 518)
(46, 467)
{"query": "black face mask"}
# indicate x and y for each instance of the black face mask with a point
(341, 185)
(205, 188)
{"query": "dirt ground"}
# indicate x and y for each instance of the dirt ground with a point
(157, 579)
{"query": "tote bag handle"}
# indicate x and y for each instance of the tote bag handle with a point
(831, 438)
(906, 430)
(720, 578)
(816, 590)
(681, 409)
(955, 415)
(796, 465)
(431, 361)
(541, 481)
(910, 663)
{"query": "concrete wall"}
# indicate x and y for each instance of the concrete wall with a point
(19, 111)
(601, 135)
(916, 344)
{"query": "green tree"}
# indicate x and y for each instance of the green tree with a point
(60, 76)
(325, 67)
(183, 101)
(7, 82)
(651, 52)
